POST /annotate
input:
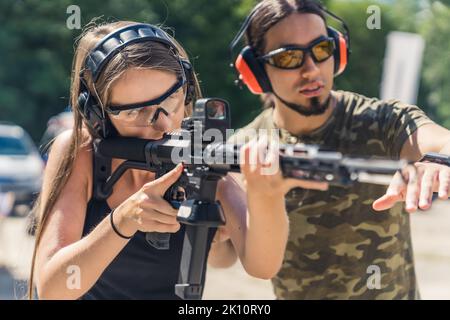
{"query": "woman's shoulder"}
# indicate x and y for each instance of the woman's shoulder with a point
(64, 147)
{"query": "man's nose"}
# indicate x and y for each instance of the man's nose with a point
(309, 68)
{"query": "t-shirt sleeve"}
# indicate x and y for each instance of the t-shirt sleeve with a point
(242, 136)
(253, 129)
(398, 121)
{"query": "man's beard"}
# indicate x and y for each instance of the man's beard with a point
(316, 108)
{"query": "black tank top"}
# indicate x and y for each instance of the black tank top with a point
(139, 271)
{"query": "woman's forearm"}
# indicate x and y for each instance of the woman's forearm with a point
(74, 269)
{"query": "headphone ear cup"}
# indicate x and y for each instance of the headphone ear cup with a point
(190, 79)
(341, 51)
(93, 115)
(82, 99)
(252, 72)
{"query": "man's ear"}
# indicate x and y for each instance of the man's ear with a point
(267, 100)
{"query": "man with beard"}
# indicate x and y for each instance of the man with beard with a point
(342, 239)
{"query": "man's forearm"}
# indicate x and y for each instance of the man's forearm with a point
(258, 228)
(267, 233)
(446, 149)
(222, 254)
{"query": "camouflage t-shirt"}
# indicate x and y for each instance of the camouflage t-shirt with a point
(338, 246)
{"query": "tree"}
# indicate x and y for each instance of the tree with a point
(436, 76)
(364, 71)
(37, 50)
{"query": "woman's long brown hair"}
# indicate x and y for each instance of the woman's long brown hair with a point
(149, 54)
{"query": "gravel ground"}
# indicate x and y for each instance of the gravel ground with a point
(431, 240)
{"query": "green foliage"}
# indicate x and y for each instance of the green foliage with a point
(364, 72)
(37, 50)
(206, 29)
(436, 75)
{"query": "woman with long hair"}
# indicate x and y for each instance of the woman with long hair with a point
(103, 241)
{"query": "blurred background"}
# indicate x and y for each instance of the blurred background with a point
(37, 45)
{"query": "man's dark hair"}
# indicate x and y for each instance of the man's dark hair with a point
(267, 13)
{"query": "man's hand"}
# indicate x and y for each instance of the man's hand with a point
(416, 187)
(261, 170)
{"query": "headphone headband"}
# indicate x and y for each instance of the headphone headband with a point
(251, 71)
(248, 19)
(104, 51)
(112, 43)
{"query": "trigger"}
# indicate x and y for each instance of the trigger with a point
(175, 204)
(175, 195)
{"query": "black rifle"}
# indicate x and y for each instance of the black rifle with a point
(206, 160)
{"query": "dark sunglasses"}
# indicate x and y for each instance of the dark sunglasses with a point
(293, 57)
(116, 109)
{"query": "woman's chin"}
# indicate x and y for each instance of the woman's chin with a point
(149, 136)
(142, 135)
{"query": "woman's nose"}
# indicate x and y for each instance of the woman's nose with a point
(162, 122)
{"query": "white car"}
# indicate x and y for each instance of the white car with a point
(21, 166)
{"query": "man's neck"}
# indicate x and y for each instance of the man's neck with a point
(297, 124)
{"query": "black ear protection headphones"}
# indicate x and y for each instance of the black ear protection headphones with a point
(251, 71)
(103, 52)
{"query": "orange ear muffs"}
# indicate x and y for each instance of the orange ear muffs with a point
(252, 72)
(341, 51)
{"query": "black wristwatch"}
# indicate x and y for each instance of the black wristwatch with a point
(436, 158)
